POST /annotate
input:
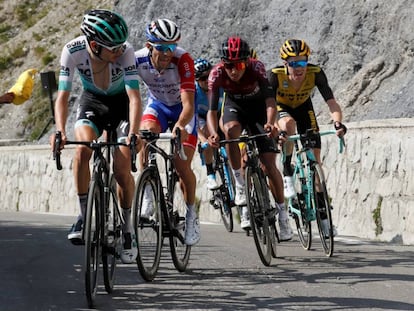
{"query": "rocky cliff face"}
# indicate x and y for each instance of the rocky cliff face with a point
(365, 46)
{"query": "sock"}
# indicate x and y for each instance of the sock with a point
(321, 203)
(283, 215)
(191, 210)
(287, 168)
(126, 213)
(238, 176)
(210, 170)
(83, 202)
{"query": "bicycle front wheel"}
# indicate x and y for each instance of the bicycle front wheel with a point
(92, 235)
(148, 224)
(226, 196)
(112, 236)
(257, 205)
(323, 211)
(180, 252)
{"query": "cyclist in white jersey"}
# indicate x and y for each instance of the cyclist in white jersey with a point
(168, 72)
(110, 100)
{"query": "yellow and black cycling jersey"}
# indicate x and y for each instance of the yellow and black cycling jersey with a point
(287, 95)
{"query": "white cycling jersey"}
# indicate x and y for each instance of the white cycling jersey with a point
(123, 73)
(166, 86)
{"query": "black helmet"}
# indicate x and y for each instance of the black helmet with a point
(105, 27)
(234, 49)
(294, 47)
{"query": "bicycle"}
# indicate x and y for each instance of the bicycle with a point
(103, 219)
(168, 207)
(262, 214)
(309, 179)
(223, 197)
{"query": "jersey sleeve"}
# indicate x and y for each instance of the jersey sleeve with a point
(186, 72)
(260, 70)
(321, 82)
(67, 70)
(273, 81)
(214, 88)
(130, 68)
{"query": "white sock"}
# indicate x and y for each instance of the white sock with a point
(283, 215)
(239, 177)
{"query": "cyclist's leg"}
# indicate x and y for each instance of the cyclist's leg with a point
(232, 128)
(188, 185)
(87, 128)
(203, 134)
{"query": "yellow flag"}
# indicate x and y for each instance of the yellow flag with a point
(23, 87)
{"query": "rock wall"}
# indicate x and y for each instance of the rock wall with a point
(371, 184)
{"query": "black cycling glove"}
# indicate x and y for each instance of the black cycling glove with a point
(338, 125)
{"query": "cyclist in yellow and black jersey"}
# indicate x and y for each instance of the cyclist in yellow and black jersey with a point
(293, 84)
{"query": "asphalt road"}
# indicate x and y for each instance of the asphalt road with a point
(40, 270)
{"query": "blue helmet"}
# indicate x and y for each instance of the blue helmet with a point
(201, 67)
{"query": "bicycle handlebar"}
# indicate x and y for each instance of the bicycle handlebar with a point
(92, 145)
(322, 133)
(151, 136)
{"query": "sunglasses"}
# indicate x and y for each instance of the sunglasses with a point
(164, 47)
(237, 65)
(114, 49)
(298, 63)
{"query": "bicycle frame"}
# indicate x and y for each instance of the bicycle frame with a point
(308, 176)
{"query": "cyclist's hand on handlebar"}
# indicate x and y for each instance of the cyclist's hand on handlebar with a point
(137, 140)
(213, 140)
(282, 138)
(52, 141)
(183, 132)
(340, 129)
(271, 130)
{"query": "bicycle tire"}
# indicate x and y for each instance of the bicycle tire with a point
(112, 236)
(302, 221)
(225, 196)
(259, 223)
(92, 236)
(180, 252)
(323, 211)
(148, 231)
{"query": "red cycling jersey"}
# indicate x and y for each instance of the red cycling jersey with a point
(252, 86)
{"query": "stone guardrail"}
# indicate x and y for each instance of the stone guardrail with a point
(371, 184)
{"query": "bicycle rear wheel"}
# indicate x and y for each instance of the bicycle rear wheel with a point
(148, 230)
(323, 211)
(92, 235)
(111, 237)
(257, 205)
(180, 252)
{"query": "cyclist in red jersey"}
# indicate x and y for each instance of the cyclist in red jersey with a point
(293, 84)
(249, 101)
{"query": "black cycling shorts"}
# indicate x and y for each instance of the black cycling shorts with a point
(250, 114)
(103, 112)
(305, 118)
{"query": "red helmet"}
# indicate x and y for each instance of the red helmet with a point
(234, 49)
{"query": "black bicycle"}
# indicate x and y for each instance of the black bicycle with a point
(103, 220)
(159, 185)
(262, 213)
(223, 197)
